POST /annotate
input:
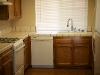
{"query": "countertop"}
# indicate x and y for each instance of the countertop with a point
(23, 35)
(5, 46)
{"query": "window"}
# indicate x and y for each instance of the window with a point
(52, 15)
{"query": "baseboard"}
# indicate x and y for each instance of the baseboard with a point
(42, 66)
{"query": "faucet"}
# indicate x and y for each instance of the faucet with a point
(71, 24)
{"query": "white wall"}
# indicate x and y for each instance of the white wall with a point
(28, 14)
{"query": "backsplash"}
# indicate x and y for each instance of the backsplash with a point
(5, 31)
(23, 29)
(26, 29)
(89, 28)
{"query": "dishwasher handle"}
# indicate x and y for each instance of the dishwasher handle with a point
(42, 38)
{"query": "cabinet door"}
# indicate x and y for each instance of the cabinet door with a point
(81, 55)
(26, 54)
(63, 55)
(29, 52)
(0, 61)
(11, 9)
(8, 68)
(3, 12)
(18, 8)
(0, 70)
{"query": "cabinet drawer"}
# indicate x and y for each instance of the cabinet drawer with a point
(6, 56)
(64, 40)
(0, 61)
(63, 45)
(81, 40)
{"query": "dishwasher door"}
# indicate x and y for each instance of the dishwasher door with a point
(42, 52)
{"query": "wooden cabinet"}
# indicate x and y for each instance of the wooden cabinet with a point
(11, 11)
(0, 61)
(27, 53)
(0, 65)
(26, 64)
(72, 51)
(6, 65)
(62, 51)
(7, 68)
(63, 54)
(0, 70)
(18, 13)
(81, 51)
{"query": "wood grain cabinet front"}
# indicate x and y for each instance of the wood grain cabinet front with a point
(8, 67)
(6, 63)
(0, 70)
(27, 52)
(62, 51)
(0, 61)
(63, 54)
(9, 12)
(72, 51)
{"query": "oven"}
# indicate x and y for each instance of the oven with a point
(18, 57)
(18, 54)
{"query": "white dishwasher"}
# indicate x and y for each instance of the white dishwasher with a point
(42, 52)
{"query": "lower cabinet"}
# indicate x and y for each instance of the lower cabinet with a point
(63, 54)
(81, 55)
(72, 51)
(6, 63)
(27, 53)
(0, 70)
(7, 68)
(26, 57)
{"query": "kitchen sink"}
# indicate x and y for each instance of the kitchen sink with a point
(71, 32)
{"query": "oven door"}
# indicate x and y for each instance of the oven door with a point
(18, 58)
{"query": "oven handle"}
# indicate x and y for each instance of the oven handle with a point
(20, 48)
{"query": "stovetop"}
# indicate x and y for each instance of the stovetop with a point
(8, 40)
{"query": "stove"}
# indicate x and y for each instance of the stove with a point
(8, 40)
(18, 54)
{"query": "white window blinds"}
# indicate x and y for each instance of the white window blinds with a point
(52, 15)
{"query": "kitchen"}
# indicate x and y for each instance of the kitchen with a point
(27, 22)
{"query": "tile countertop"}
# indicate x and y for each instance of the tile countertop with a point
(46, 34)
(5, 46)
(23, 35)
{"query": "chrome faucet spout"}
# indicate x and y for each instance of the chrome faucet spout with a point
(71, 24)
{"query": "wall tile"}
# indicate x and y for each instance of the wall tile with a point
(25, 28)
(3, 31)
(71, 35)
(89, 29)
(18, 29)
(53, 35)
(65, 34)
(13, 28)
(84, 34)
(9, 29)
(32, 29)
